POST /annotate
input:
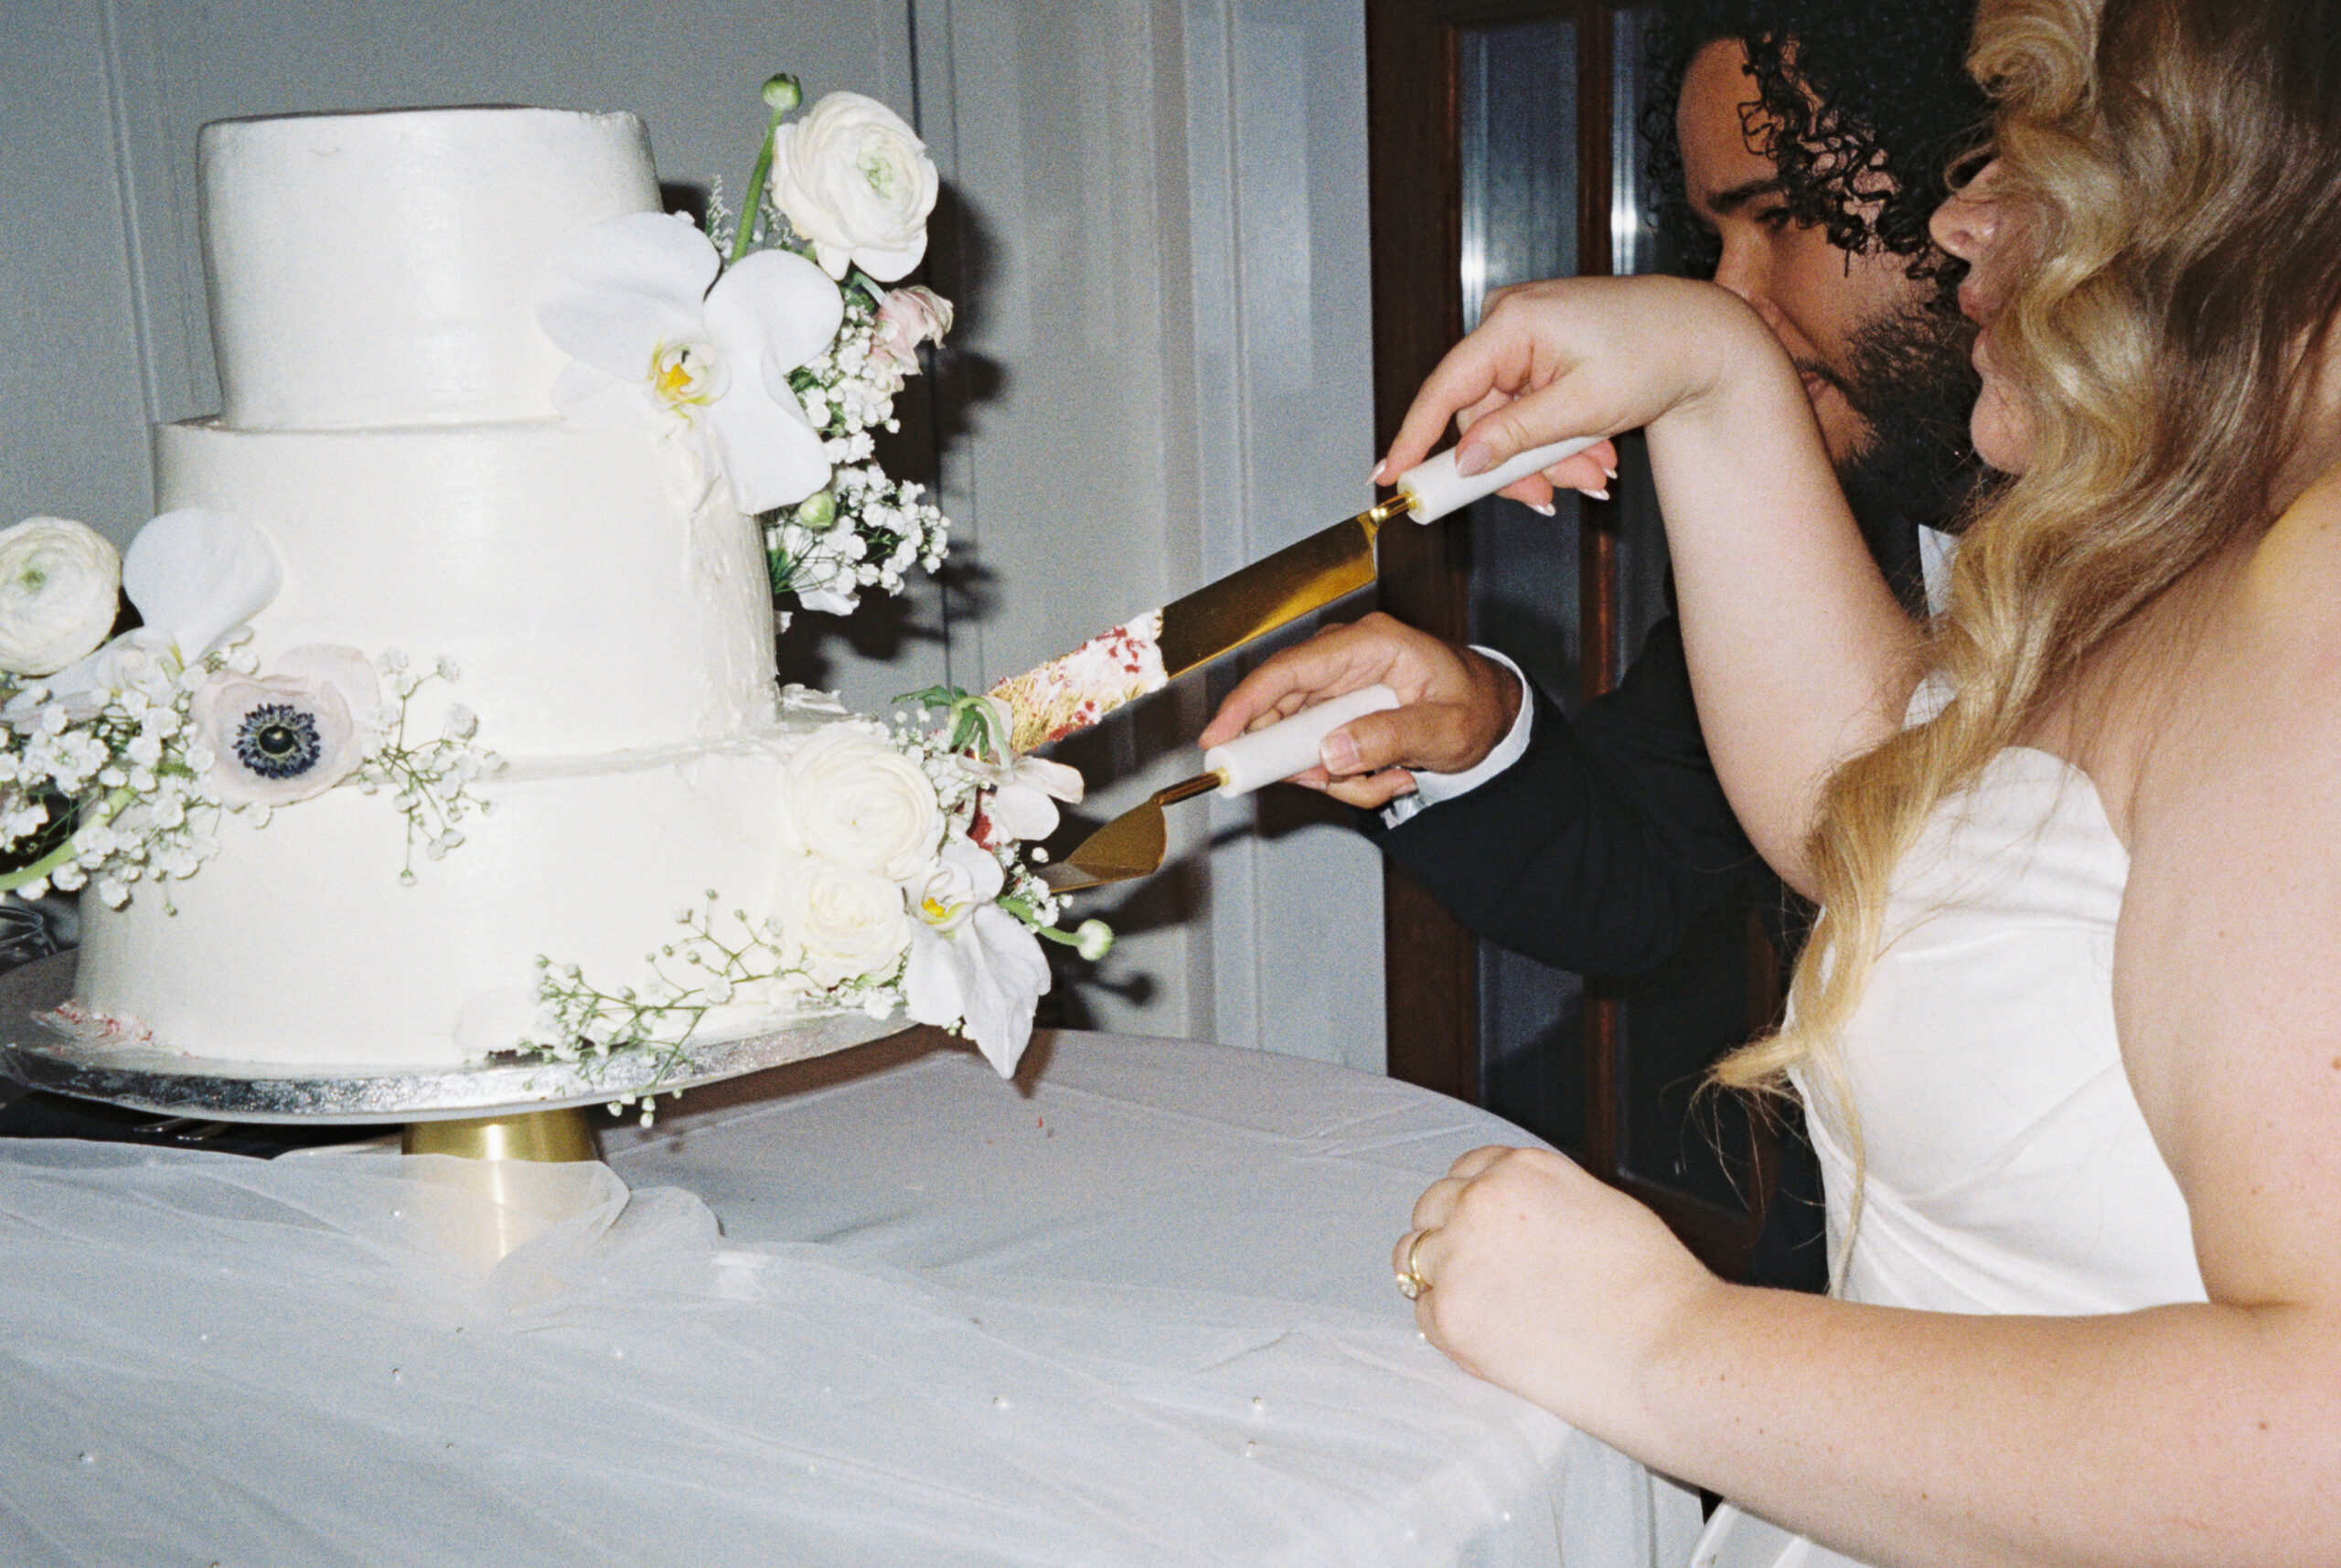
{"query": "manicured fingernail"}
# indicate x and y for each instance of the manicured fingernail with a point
(1609, 470)
(1375, 477)
(1339, 754)
(1471, 458)
(1546, 510)
(1592, 495)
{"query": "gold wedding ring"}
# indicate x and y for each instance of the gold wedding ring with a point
(1411, 1284)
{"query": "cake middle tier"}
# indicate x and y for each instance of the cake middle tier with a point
(592, 593)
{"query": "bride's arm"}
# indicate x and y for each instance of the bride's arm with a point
(1800, 654)
(2198, 1433)
(2203, 1436)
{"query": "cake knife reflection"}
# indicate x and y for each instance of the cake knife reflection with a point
(1072, 692)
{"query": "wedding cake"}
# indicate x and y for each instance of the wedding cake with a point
(536, 646)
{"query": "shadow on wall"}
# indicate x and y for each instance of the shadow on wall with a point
(934, 409)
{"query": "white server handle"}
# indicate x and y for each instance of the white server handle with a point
(1436, 490)
(1289, 745)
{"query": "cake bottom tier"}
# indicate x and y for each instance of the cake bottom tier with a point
(297, 943)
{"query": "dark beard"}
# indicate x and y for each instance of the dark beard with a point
(1913, 384)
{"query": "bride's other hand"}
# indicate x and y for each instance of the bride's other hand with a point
(1574, 356)
(1544, 1281)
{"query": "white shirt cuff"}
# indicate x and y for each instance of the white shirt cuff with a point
(1433, 789)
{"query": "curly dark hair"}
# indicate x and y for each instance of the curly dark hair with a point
(1865, 101)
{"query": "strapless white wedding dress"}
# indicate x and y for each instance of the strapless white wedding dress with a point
(2009, 1168)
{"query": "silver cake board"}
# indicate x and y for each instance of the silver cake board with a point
(152, 1077)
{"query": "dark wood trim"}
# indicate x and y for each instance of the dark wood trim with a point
(1597, 566)
(1432, 1006)
(1415, 201)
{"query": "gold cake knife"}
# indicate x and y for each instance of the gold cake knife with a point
(1075, 690)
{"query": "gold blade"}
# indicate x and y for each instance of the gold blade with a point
(1130, 847)
(1075, 690)
(1269, 593)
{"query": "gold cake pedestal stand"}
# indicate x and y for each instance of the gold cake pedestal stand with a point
(498, 1114)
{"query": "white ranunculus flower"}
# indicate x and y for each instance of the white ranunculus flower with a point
(856, 182)
(855, 801)
(196, 576)
(840, 922)
(60, 588)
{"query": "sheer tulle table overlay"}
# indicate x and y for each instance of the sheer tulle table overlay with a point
(875, 1309)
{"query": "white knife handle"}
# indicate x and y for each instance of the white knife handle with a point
(1436, 490)
(1289, 745)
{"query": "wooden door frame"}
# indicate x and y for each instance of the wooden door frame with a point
(1415, 200)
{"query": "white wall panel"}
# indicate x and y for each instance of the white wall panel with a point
(1170, 275)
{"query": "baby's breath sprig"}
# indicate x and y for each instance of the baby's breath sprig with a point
(718, 961)
(111, 796)
(431, 779)
(866, 529)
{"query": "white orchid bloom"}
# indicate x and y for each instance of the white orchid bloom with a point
(1024, 793)
(962, 877)
(1023, 789)
(655, 334)
(196, 576)
(972, 963)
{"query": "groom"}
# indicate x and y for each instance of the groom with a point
(1806, 152)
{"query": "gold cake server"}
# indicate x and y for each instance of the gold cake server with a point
(1075, 690)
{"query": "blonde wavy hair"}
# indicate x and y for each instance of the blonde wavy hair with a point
(2176, 166)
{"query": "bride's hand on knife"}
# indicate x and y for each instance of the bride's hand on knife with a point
(1572, 356)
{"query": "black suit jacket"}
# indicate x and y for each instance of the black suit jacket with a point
(1598, 849)
(1605, 842)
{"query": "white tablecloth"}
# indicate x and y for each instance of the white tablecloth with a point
(1135, 1309)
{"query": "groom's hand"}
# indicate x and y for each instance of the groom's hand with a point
(1454, 707)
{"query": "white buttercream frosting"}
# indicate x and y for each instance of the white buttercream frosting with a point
(370, 271)
(297, 942)
(590, 598)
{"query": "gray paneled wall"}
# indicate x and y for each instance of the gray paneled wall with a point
(1162, 259)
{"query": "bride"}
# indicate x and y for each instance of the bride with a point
(2069, 1033)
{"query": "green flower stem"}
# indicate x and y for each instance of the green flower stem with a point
(1092, 938)
(102, 813)
(760, 172)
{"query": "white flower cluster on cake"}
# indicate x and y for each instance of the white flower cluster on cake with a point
(777, 359)
(904, 889)
(117, 753)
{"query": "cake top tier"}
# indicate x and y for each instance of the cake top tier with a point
(380, 270)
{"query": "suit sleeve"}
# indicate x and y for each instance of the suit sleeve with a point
(1597, 850)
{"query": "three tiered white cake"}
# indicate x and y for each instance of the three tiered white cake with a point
(601, 607)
